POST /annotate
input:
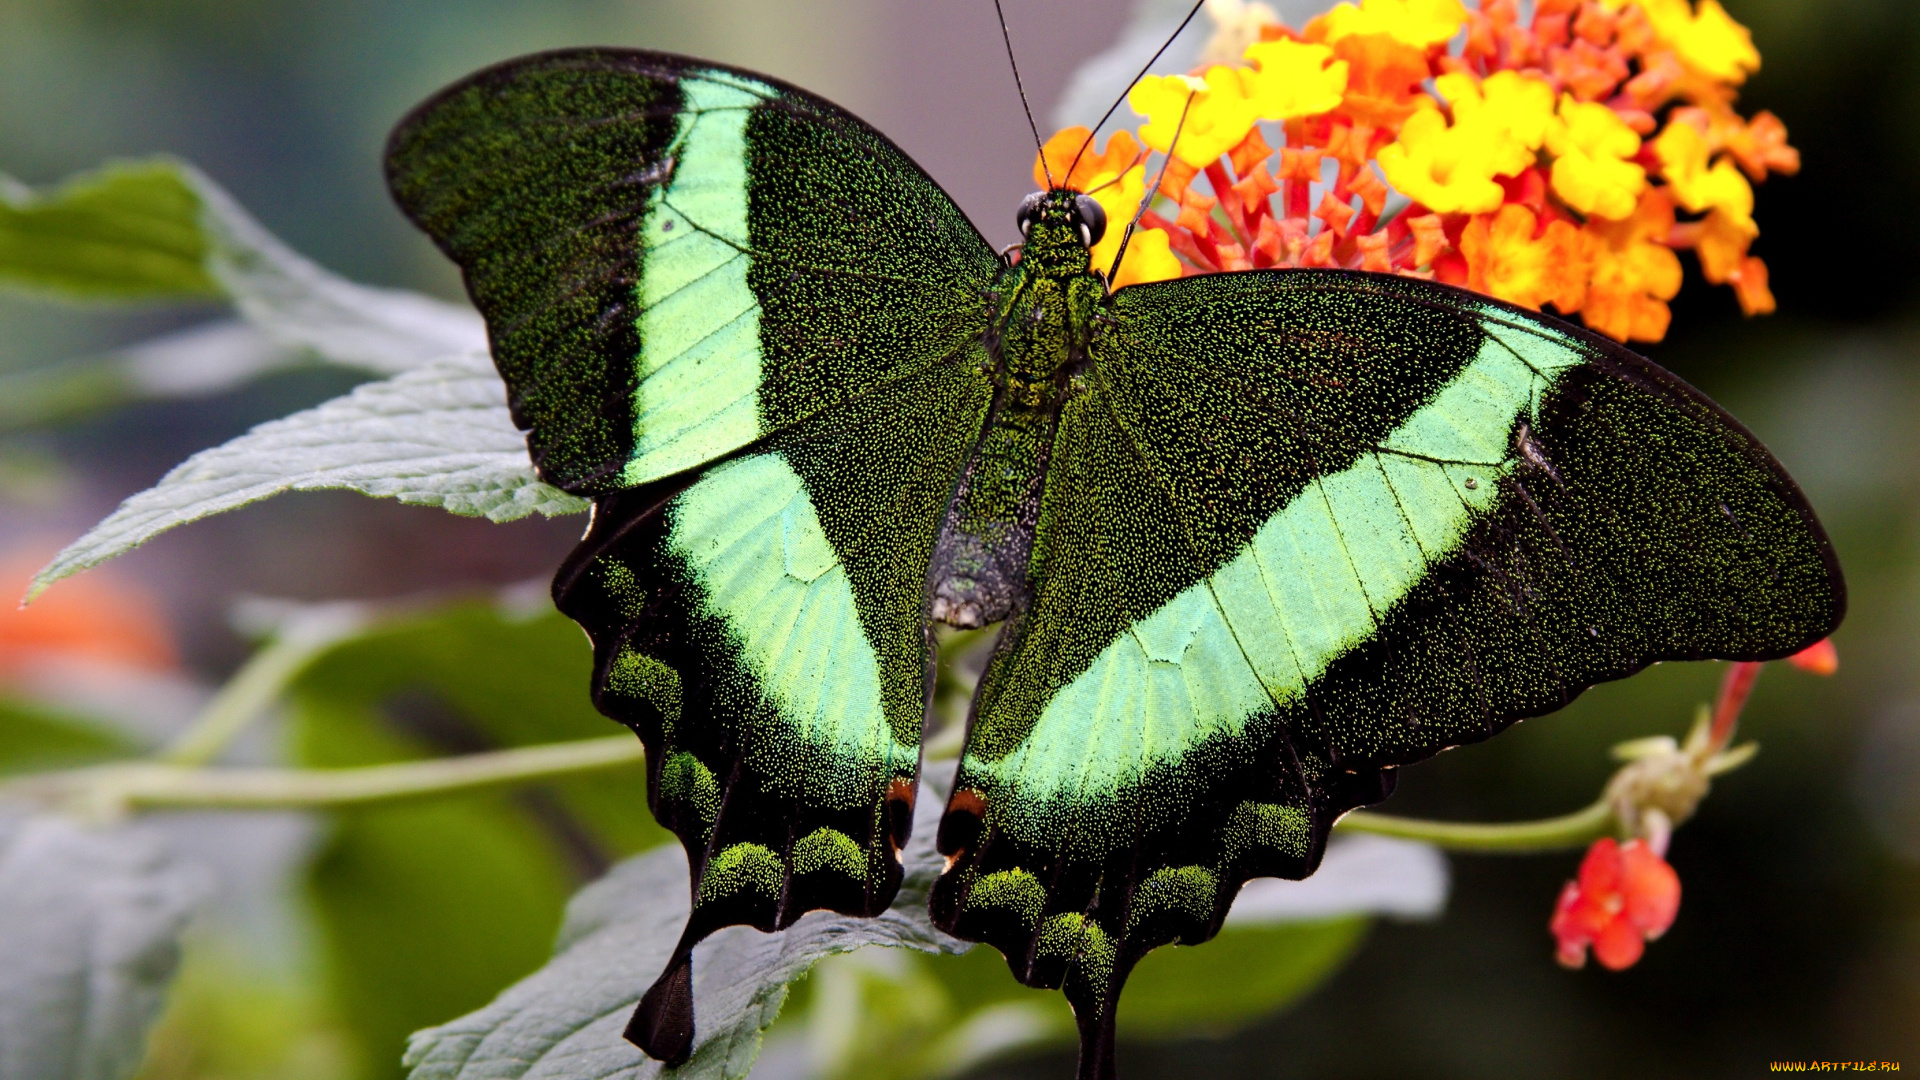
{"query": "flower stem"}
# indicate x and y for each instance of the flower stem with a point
(1569, 831)
(109, 791)
(1735, 688)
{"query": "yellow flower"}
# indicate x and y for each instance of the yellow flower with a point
(1683, 152)
(1419, 23)
(1119, 195)
(1428, 166)
(1710, 42)
(1149, 258)
(1591, 173)
(1219, 117)
(1516, 106)
(1294, 79)
(1498, 125)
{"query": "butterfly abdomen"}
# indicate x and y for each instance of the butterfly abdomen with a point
(1036, 343)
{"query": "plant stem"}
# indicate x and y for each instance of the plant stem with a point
(1569, 831)
(112, 790)
(257, 685)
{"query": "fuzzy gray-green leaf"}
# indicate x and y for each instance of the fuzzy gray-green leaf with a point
(565, 1020)
(439, 436)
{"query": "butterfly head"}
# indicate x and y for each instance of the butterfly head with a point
(1059, 226)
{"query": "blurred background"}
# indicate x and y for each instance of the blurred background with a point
(1799, 936)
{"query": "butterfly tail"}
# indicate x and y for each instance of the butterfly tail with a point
(1094, 1007)
(662, 1024)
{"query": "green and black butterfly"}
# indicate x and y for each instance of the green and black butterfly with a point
(1254, 539)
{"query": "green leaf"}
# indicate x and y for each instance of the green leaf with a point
(1244, 974)
(292, 312)
(565, 1020)
(439, 436)
(34, 737)
(515, 678)
(302, 305)
(89, 927)
(128, 231)
(426, 908)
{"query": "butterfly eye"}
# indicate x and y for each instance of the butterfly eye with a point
(1093, 219)
(1029, 209)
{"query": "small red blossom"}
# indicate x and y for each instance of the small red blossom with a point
(1626, 895)
(1820, 658)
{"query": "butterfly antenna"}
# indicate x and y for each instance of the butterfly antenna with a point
(1018, 85)
(1146, 199)
(1148, 66)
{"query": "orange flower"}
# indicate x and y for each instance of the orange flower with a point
(1122, 153)
(1626, 895)
(1506, 260)
(1633, 273)
(1588, 71)
(1383, 79)
(1757, 146)
(96, 617)
(1750, 287)
(1721, 243)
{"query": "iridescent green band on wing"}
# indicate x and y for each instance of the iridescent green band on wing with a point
(1305, 590)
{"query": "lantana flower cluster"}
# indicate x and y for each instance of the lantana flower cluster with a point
(1561, 160)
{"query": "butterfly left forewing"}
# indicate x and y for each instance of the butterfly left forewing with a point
(1302, 527)
(676, 258)
(749, 326)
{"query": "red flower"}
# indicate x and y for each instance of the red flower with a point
(1626, 896)
(1820, 658)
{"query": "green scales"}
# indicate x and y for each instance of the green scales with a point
(1254, 539)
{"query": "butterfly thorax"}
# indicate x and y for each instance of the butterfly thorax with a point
(1041, 316)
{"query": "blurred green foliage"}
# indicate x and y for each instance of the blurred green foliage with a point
(34, 737)
(126, 232)
(429, 909)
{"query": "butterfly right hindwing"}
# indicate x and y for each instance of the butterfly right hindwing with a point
(1302, 527)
